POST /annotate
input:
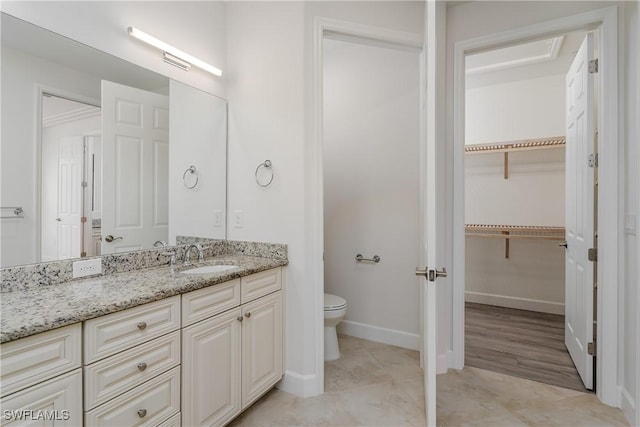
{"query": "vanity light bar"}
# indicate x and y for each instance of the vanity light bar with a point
(173, 52)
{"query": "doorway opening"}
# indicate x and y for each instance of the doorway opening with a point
(528, 194)
(371, 149)
(518, 195)
(71, 171)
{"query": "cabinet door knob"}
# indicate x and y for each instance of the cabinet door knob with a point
(240, 318)
(142, 326)
(248, 315)
(142, 413)
(142, 366)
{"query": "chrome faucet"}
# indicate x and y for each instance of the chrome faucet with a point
(187, 253)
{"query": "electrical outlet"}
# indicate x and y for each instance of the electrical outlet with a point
(217, 218)
(87, 267)
(238, 219)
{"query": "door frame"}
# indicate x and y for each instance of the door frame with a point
(315, 168)
(610, 171)
(42, 90)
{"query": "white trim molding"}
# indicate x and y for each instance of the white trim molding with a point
(378, 334)
(515, 302)
(299, 384)
(611, 174)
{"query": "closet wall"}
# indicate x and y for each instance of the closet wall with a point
(532, 277)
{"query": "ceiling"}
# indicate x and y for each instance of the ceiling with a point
(533, 59)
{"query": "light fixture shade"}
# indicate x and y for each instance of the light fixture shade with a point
(175, 52)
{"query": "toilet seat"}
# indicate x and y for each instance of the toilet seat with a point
(334, 302)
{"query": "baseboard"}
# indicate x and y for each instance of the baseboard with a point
(300, 385)
(628, 407)
(379, 334)
(515, 302)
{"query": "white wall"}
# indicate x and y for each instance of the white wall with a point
(522, 109)
(476, 19)
(371, 195)
(270, 62)
(532, 278)
(197, 27)
(198, 137)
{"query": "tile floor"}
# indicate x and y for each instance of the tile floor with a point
(379, 385)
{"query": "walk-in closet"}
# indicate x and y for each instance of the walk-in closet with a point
(516, 189)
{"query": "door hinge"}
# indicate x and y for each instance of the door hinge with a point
(591, 349)
(84, 184)
(593, 160)
(592, 254)
(83, 254)
(593, 66)
(83, 219)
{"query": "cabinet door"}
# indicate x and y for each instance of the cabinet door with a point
(211, 364)
(57, 402)
(261, 346)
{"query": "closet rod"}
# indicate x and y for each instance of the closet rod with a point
(508, 232)
(511, 146)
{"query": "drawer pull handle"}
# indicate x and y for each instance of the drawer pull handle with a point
(142, 366)
(142, 413)
(248, 315)
(142, 326)
(240, 318)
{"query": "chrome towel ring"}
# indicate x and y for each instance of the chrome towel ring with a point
(268, 167)
(191, 170)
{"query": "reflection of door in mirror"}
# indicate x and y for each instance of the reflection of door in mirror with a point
(135, 129)
(69, 132)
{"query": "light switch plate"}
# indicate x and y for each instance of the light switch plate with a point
(238, 219)
(89, 267)
(631, 224)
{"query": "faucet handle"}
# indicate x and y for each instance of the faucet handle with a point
(172, 259)
(201, 250)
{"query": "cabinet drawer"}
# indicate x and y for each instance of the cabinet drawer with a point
(33, 359)
(148, 404)
(115, 375)
(57, 402)
(115, 332)
(207, 302)
(260, 284)
(172, 422)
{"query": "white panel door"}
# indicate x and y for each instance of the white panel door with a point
(432, 198)
(135, 143)
(579, 285)
(70, 173)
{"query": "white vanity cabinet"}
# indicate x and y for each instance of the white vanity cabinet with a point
(132, 365)
(234, 355)
(41, 379)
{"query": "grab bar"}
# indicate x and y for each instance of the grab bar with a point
(18, 212)
(375, 258)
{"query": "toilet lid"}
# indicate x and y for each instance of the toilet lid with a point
(333, 302)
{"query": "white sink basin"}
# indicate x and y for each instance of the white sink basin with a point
(208, 269)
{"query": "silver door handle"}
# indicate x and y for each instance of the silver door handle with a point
(110, 238)
(58, 219)
(564, 244)
(431, 275)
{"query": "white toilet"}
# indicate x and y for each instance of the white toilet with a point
(335, 309)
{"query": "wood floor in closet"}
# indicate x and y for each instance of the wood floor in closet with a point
(520, 343)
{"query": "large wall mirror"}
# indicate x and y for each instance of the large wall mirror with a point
(99, 155)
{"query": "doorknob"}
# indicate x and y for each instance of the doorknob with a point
(563, 244)
(431, 275)
(110, 238)
(58, 219)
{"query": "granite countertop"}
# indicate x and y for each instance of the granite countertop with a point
(26, 312)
